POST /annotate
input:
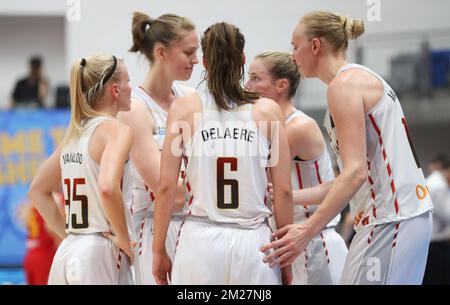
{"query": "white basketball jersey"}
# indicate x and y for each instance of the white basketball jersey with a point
(79, 175)
(142, 196)
(127, 196)
(395, 188)
(226, 166)
(309, 173)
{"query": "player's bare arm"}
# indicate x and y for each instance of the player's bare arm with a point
(41, 193)
(170, 169)
(144, 151)
(351, 135)
(270, 112)
(117, 139)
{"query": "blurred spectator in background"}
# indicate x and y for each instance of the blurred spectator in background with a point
(41, 246)
(438, 264)
(31, 91)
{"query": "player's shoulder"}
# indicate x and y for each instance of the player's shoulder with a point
(267, 109)
(302, 123)
(137, 104)
(114, 128)
(138, 116)
(185, 105)
(186, 89)
(345, 81)
(353, 80)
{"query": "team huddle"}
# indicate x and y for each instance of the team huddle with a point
(230, 183)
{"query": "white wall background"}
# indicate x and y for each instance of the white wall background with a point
(267, 24)
(23, 37)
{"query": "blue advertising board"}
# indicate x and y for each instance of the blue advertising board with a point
(27, 138)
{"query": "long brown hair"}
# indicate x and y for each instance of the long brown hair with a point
(165, 29)
(223, 49)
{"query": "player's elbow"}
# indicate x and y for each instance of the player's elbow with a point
(108, 189)
(34, 193)
(358, 175)
(165, 188)
(283, 193)
(106, 192)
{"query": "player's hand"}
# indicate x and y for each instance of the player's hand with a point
(180, 199)
(270, 186)
(286, 275)
(126, 246)
(292, 240)
(162, 268)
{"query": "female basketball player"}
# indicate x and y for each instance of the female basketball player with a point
(169, 43)
(380, 173)
(274, 75)
(227, 152)
(90, 164)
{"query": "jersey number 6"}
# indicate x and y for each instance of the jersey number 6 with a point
(83, 199)
(221, 182)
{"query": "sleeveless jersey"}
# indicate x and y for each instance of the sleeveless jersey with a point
(226, 166)
(305, 174)
(395, 187)
(79, 175)
(125, 186)
(142, 197)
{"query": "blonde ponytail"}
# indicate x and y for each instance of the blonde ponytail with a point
(353, 27)
(88, 78)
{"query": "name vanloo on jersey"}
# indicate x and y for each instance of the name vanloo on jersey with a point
(226, 166)
(79, 173)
